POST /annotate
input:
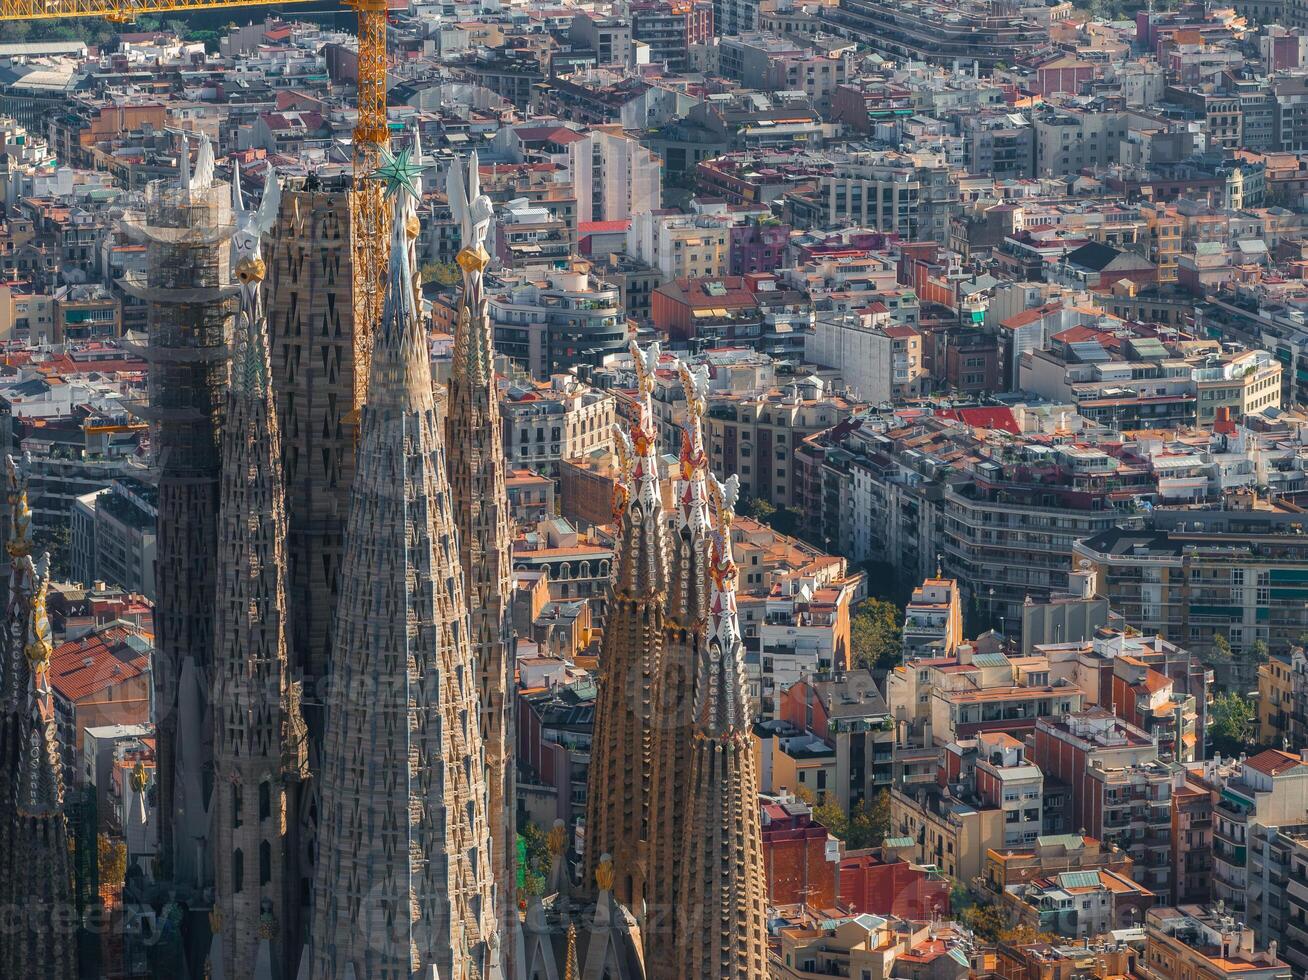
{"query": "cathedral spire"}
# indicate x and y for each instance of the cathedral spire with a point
(258, 742)
(722, 884)
(35, 865)
(403, 883)
(481, 511)
(617, 803)
(673, 695)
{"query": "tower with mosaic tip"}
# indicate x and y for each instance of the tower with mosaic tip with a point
(618, 795)
(402, 884)
(684, 633)
(722, 872)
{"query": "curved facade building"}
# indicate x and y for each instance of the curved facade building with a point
(552, 324)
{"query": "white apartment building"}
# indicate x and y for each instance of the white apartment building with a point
(681, 245)
(623, 177)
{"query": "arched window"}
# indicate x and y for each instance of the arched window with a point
(265, 862)
(238, 871)
(265, 800)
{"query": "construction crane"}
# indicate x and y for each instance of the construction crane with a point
(371, 239)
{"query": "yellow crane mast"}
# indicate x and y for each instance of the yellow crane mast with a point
(371, 241)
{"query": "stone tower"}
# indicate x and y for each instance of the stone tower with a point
(403, 884)
(259, 741)
(190, 299)
(722, 888)
(617, 801)
(311, 336)
(474, 441)
(311, 340)
(35, 862)
(687, 618)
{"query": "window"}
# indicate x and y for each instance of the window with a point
(238, 871)
(265, 862)
(265, 800)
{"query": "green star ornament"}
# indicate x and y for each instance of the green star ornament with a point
(399, 172)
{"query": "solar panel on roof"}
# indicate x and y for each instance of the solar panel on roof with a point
(1078, 879)
(990, 660)
(1148, 347)
(1089, 352)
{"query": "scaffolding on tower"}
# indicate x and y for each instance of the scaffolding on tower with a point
(371, 135)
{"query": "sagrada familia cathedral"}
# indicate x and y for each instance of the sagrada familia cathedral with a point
(409, 862)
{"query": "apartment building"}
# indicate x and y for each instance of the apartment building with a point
(529, 234)
(848, 715)
(617, 177)
(933, 619)
(113, 536)
(867, 946)
(576, 565)
(1269, 789)
(878, 358)
(755, 437)
(1009, 537)
(1275, 855)
(1051, 855)
(1195, 574)
(1157, 686)
(905, 194)
(951, 832)
(986, 692)
(681, 246)
(1004, 778)
(548, 422)
(1201, 941)
(804, 632)
(1283, 698)
(670, 27)
(550, 322)
(1193, 796)
(1078, 904)
(1121, 793)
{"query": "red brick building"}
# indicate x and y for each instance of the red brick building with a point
(723, 308)
(1066, 73)
(799, 854)
(883, 883)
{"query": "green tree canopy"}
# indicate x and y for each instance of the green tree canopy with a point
(1232, 724)
(538, 851)
(783, 520)
(867, 826)
(876, 635)
(441, 273)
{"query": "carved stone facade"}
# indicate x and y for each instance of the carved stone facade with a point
(311, 346)
(35, 861)
(618, 797)
(688, 609)
(259, 738)
(724, 934)
(474, 441)
(673, 797)
(403, 883)
(311, 336)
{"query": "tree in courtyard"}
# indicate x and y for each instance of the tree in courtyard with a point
(875, 634)
(1232, 724)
